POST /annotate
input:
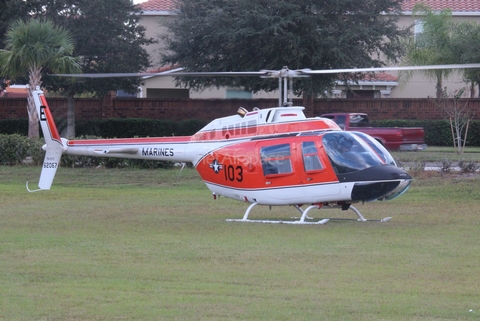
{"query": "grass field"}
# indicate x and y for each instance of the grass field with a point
(438, 154)
(111, 244)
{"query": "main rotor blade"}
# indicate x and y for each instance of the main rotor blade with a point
(399, 68)
(282, 73)
(165, 73)
(219, 73)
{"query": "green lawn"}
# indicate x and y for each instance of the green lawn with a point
(110, 244)
(438, 154)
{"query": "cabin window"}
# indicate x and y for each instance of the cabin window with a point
(237, 129)
(311, 161)
(252, 126)
(276, 159)
(230, 131)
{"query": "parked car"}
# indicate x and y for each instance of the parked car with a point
(393, 138)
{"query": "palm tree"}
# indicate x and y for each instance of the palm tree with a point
(34, 46)
(466, 46)
(431, 46)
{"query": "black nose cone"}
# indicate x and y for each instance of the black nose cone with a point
(378, 182)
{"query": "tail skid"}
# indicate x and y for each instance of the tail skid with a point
(54, 144)
(32, 190)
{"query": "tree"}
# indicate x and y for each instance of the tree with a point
(30, 47)
(108, 37)
(12, 10)
(466, 48)
(458, 115)
(431, 46)
(251, 35)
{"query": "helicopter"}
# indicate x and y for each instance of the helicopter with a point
(268, 157)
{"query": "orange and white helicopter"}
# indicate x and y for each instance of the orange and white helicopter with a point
(273, 156)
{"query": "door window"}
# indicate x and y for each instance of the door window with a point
(276, 159)
(311, 161)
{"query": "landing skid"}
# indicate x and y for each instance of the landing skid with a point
(305, 216)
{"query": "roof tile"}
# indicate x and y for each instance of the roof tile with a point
(407, 5)
(380, 76)
(158, 5)
(454, 5)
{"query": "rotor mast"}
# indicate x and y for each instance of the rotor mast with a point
(285, 83)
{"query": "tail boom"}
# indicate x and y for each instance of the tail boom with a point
(176, 149)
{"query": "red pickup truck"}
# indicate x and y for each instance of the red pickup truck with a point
(393, 138)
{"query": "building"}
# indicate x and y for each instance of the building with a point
(383, 85)
(8, 90)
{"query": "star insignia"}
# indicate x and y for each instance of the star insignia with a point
(216, 166)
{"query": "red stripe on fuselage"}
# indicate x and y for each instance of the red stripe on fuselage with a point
(265, 129)
(51, 123)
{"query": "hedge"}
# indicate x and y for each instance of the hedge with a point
(437, 132)
(17, 149)
(137, 127)
(14, 126)
(116, 127)
(20, 150)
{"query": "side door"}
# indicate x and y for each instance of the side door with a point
(278, 166)
(312, 161)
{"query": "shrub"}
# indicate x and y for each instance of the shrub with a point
(20, 150)
(445, 166)
(413, 168)
(468, 166)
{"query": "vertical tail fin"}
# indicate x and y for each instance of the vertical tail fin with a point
(54, 144)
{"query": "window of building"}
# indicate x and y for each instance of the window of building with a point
(167, 93)
(237, 93)
(418, 29)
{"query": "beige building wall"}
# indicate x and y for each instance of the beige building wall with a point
(154, 23)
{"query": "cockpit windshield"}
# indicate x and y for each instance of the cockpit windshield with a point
(377, 148)
(353, 151)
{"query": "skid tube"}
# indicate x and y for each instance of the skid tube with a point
(305, 216)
